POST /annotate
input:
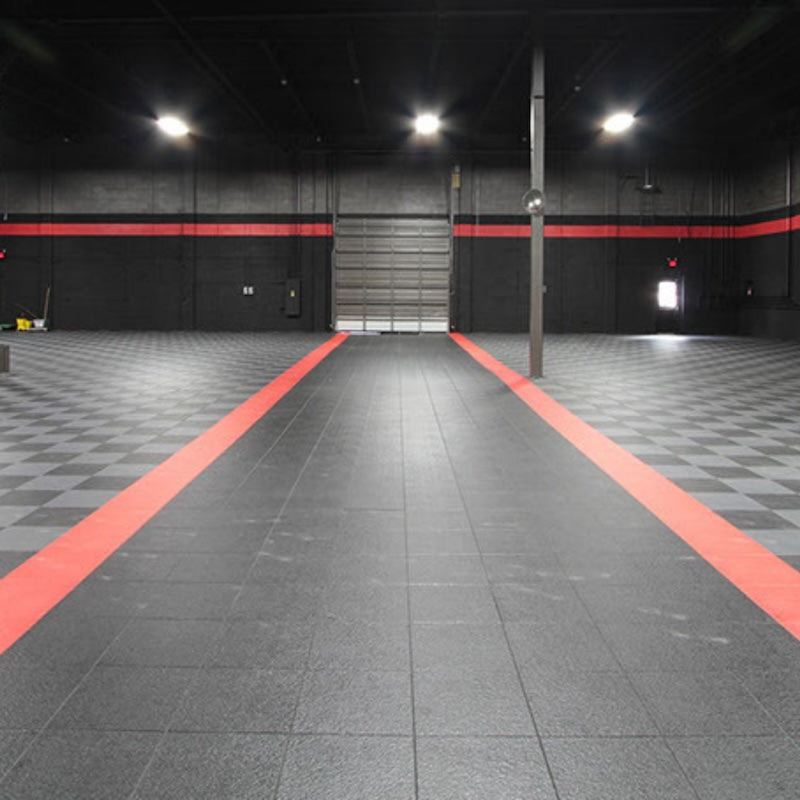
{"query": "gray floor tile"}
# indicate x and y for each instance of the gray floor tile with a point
(471, 604)
(451, 702)
(61, 641)
(503, 768)
(357, 702)
(38, 692)
(478, 647)
(616, 769)
(356, 645)
(348, 768)
(586, 704)
(446, 569)
(124, 699)
(163, 643)
(778, 691)
(702, 704)
(12, 744)
(256, 644)
(80, 765)
(210, 766)
(740, 768)
(544, 601)
(239, 700)
(550, 648)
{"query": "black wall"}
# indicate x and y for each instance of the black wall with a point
(604, 282)
(767, 194)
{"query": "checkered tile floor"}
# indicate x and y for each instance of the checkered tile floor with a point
(84, 414)
(719, 416)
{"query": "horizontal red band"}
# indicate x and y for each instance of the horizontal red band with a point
(461, 230)
(610, 231)
(767, 580)
(166, 229)
(38, 584)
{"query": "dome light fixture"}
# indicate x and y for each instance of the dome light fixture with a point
(172, 126)
(619, 122)
(426, 124)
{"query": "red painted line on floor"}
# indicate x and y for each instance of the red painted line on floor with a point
(766, 579)
(36, 586)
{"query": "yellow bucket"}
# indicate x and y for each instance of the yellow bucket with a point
(23, 324)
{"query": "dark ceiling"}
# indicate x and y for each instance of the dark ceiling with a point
(350, 74)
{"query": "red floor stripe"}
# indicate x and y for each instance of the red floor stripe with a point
(32, 589)
(767, 580)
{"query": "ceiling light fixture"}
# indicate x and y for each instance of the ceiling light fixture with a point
(172, 126)
(426, 124)
(619, 122)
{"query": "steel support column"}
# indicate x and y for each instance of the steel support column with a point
(537, 220)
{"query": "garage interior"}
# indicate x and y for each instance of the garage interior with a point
(282, 512)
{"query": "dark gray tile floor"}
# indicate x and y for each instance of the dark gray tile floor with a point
(719, 416)
(399, 584)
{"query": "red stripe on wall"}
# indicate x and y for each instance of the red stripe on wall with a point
(165, 229)
(767, 580)
(766, 228)
(461, 230)
(36, 586)
(599, 231)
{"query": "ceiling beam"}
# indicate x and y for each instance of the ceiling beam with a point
(288, 85)
(521, 47)
(362, 100)
(209, 66)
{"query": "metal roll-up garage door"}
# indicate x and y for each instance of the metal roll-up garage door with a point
(392, 274)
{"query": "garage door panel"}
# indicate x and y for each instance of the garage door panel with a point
(392, 274)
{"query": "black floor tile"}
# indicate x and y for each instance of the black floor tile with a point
(463, 768)
(550, 648)
(239, 700)
(617, 768)
(469, 604)
(80, 765)
(124, 698)
(253, 644)
(475, 647)
(586, 704)
(64, 641)
(451, 702)
(348, 768)
(740, 767)
(358, 645)
(355, 702)
(703, 704)
(35, 692)
(211, 766)
(12, 744)
(163, 643)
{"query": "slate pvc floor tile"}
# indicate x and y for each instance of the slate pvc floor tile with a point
(400, 579)
(740, 767)
(463, 768)
(632, 768)
(92, 765)
(239, 700)
(348, 767)
(210, 766)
